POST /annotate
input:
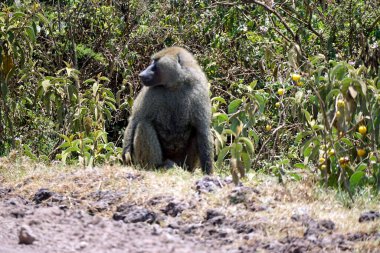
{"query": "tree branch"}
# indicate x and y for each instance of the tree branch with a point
(273, 11)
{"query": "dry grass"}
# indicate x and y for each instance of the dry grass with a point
(282, 201)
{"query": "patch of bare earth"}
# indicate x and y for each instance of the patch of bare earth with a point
(121, 209)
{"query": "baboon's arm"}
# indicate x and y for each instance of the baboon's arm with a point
(128, 141)
(204, 141)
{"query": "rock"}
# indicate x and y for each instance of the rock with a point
(156, 200)
(208, 184)
(133, 214)
(41, 195)
(4, 192)
(173, 208)
(327, 224)
(215, 217)
(81, 245)
(369, 216)
(242, 194)
(26, 236)
(255, 207)
(133, 176)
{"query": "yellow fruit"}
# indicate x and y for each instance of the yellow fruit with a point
(322, 160)
(338, 114)
(331, 152)
(343, 161)
(323, 167)
(278, 104)
(280, 92)
(296, 77)
(341, 103)
(363, 129)
(361, 152)
(268, 127)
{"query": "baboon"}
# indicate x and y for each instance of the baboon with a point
(171, 116)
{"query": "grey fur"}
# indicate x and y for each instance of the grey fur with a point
(171, 116)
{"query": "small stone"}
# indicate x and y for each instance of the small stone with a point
(174, 208)
(327, 224)
(81, 245)
(41, 195)
(369, 216)
(26, 236)
(134, 214)
(215, 217)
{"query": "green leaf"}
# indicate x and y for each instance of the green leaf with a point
(357, 179)
(307, 151)
(347, 142)
(64, 156)
(17, 15)
(91, 80)
(103, 78)
(261, 101)
(234, 105)
(65, 138)
(338, 72)
(30, 32)
(317, 58)
(46, 84)
(220, 117)
(64, 145)
(362, 86)
(124, 105)
(300, 166)
(111, 105)
(236, 149)
(307, 116)
(248, 144)
(42, 18)
(95, 88)
(28, 152)
(107, 113)
(332, 94)
(301, 135)
(246, 161)
(228, 131)
(4, 89)
(219, 99)
(221, 156)
(346, 82)
(299, 97)
(361, 167)
(295, 176)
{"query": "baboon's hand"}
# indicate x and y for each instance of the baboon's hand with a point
(208, 169)
(127, 158)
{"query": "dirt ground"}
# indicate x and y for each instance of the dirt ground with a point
(119, 209)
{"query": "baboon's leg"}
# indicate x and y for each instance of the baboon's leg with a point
(192, 156)
(146, 147)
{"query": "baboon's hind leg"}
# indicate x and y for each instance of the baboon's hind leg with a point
(192, 156)
(146, 147)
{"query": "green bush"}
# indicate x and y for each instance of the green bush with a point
(291, 83)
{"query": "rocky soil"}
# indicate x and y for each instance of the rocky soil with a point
(75, 212)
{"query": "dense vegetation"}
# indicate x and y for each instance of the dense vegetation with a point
(294, 84)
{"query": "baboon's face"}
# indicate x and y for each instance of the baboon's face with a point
(165, 71)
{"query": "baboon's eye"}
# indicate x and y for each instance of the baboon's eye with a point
(179, 60)
(154, 65)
